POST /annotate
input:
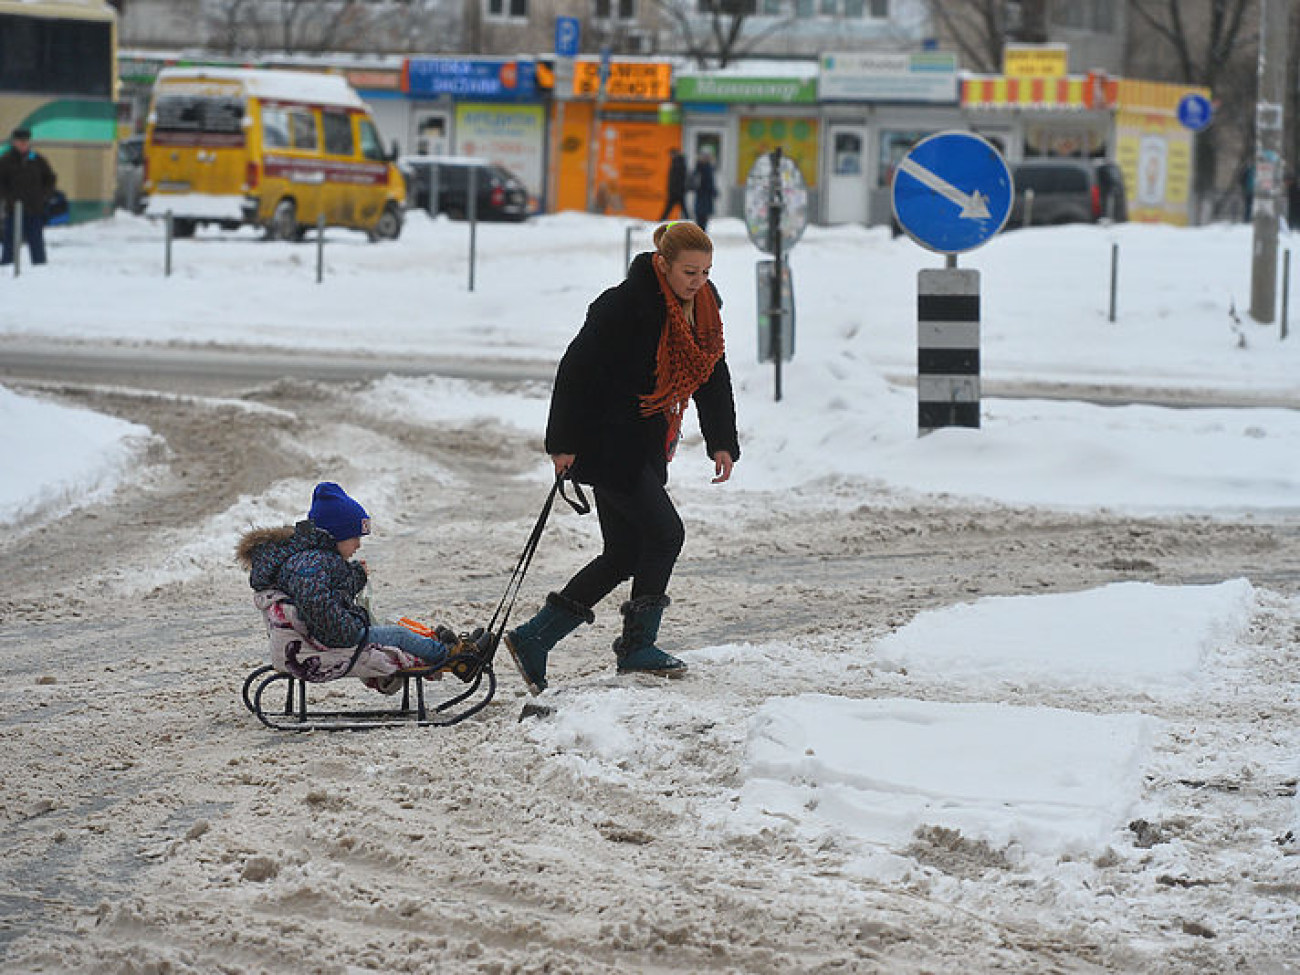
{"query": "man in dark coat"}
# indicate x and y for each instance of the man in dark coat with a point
(26, 178)
(705, 187)
(676, 184)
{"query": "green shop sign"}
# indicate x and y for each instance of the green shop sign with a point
(755, 91)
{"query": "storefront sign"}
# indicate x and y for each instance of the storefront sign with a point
(889, 77)
(512, 136)
(628, 80)
(374, 79)
(479, 78)
(752, 91)
(1036, 60)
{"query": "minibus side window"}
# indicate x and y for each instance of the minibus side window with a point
(303, 126)
(275, 128)
(371, 147)
(338, 133)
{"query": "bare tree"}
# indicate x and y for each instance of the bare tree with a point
(1214, 43)
(977, 28)
(714, 31)
(329, 25)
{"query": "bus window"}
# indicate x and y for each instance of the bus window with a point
(371, 147)
(198, 113)
(275, 128)
(338, 133)
(303, 127)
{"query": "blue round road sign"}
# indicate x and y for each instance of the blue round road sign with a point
(952, 192)
(1195, 111)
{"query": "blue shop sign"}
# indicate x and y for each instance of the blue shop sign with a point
(483, 79)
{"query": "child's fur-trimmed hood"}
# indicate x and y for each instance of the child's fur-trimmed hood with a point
(257, 537)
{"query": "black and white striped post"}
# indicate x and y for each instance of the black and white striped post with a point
(947, 348)
(952, 192)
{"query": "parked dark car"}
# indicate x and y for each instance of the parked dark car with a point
(1067, 191)
(129, 194)
(500, 194)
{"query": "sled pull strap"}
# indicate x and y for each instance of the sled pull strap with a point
(580, 504)
(496, 627)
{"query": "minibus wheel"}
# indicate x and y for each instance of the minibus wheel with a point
(388, 226)
(284, 222)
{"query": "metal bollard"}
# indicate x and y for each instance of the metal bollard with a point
(627, 248)
(1286, 289)
(18, 237)
(1114, 277)
(320, 248)
(167, 246)
(1028, 218)
(472, 205)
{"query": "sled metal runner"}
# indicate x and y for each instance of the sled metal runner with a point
(280, 700)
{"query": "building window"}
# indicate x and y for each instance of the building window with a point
(1091, 15)
(622, 9)
(732, 7)
(511, 9)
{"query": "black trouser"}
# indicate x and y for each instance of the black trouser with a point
(643, 536)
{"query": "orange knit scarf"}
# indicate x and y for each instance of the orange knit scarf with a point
(686, 355)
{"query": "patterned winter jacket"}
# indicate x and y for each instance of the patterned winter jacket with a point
(303, 562)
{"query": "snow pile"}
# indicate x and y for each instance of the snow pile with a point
(60, 458)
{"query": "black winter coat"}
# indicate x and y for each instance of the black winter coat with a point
(677, 177)
(26, 177)
(595, 406)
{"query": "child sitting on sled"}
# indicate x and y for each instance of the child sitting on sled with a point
(306, 585)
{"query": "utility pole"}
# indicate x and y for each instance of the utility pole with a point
(1269, 164)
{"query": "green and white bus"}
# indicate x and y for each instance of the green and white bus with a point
(58, 77)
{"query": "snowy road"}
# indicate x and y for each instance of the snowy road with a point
(215, 369)
(148, 848)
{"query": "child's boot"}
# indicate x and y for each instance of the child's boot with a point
(530, 643)
(635, 649)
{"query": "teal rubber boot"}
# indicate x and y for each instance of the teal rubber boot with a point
(531, 643)
(635, 649)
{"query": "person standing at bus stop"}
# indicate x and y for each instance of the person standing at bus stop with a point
(27, 178)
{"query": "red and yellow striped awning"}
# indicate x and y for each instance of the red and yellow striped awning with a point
(1075, 92)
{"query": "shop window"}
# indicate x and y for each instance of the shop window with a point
(894, 145)
(1067, 142)
(847, 154)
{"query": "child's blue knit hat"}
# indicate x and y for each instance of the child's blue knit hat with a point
(334, 512)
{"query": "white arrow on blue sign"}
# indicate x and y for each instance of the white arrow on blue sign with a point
(952, 192)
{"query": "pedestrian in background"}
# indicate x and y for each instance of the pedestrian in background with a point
(27, 178)
(705, 187)
(676, 184)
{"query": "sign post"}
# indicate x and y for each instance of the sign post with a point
(595, 139)
(951, 193)
(568, 37)
(776, 214)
